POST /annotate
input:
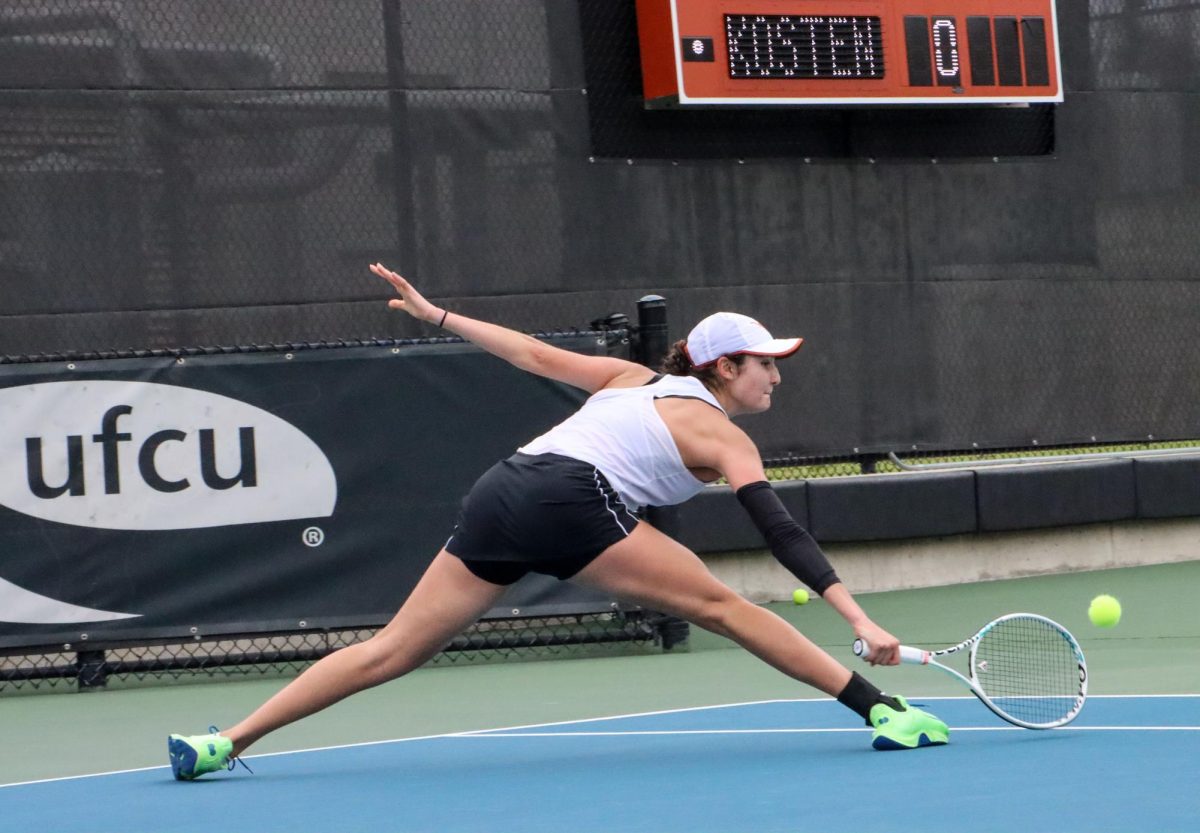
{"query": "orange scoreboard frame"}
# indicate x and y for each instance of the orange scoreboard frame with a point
(855, 52)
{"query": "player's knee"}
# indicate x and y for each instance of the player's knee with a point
(717, 613)
(380, 659)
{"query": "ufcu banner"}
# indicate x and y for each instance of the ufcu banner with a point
(143, 455)
(247, 492)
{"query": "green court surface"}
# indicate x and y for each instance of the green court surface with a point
(1154, 650)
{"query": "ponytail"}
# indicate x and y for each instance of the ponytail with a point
(677, 363)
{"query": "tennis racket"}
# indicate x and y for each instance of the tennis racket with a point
(1029, 670)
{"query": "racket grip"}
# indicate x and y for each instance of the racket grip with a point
(912, 656)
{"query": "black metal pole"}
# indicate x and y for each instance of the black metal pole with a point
(653, 342)
(654, 339)
(91, 669)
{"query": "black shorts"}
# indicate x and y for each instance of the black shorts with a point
(541, 513)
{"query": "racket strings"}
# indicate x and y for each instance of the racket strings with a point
(1029, 669)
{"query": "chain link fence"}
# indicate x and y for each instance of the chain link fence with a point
(83, 666)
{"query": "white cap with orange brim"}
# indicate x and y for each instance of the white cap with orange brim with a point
(731, 334)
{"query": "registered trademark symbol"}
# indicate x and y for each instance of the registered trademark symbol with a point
(314, 536)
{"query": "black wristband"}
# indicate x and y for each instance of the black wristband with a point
(790, 543)
(442, 323)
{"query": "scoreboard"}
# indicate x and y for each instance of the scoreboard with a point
(848, 52)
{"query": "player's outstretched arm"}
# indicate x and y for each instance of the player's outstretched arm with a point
(591, 373)
(735, 455)
(885, 650)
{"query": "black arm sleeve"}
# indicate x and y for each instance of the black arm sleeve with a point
(790, 543)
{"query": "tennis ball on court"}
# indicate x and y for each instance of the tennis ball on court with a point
(1104, 611)
(800, 596)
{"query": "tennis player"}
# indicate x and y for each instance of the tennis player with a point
(565, 505)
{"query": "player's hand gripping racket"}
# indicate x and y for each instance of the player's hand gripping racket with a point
(1026, 668)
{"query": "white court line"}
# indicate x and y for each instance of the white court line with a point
(914, 699)
(1134, 696)
(953, 729)
(660, 712)
(364, 743)
(76, 777)
(486, 732)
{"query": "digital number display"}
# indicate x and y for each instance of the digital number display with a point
(860, 52)
(782, 46)
(1004, 51)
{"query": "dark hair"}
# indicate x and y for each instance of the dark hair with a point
(677, 363)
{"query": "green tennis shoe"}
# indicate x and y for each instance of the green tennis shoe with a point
(196, 755)
(909, 728)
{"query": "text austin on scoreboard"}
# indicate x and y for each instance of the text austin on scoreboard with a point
(859, 52)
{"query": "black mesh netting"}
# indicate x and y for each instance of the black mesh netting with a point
(191, 174)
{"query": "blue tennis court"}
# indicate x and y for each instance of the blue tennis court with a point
(1127, 764)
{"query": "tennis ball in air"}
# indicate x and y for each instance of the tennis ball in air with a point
(1104, 611)
(800, 596)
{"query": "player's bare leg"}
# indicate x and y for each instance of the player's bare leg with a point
(656, 571)
(447, 600)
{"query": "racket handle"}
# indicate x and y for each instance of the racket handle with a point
(912, 656)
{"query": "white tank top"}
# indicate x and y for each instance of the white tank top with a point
(619, 431)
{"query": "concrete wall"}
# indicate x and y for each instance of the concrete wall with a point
(928, 562)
